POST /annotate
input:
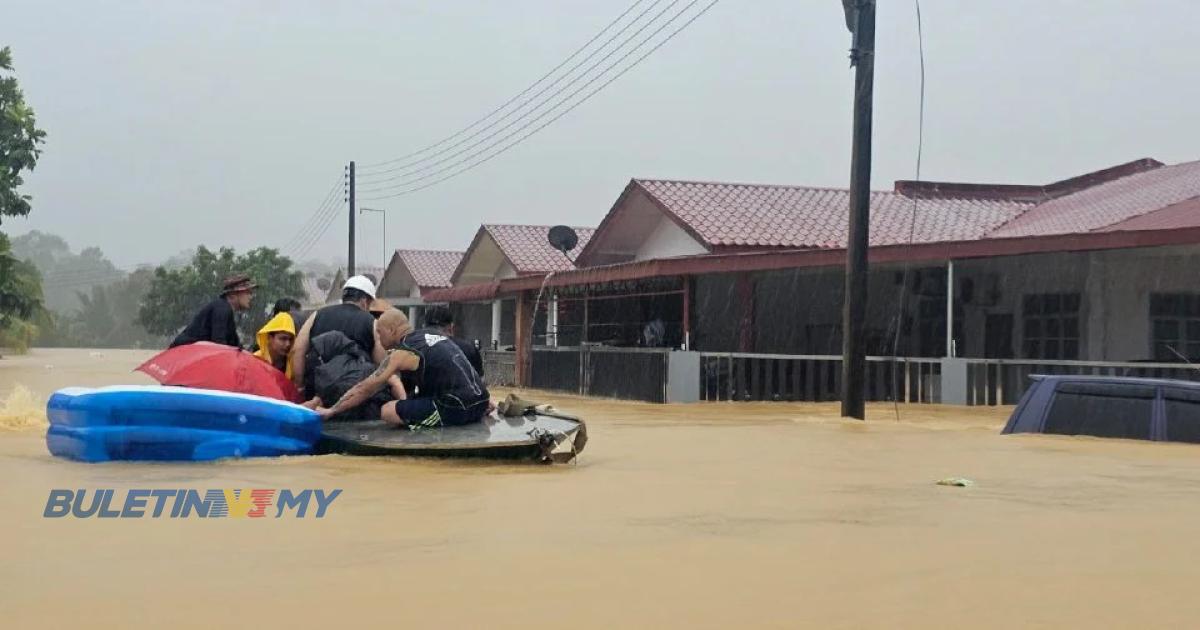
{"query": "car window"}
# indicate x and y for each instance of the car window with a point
(1183, 414)
(1101, 409)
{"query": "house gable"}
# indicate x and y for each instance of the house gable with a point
(638, 228)
(482, 262)
(397, 281)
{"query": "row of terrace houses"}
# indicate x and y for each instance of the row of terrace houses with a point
(1098, 267)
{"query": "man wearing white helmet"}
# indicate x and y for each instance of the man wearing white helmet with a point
(351, 318)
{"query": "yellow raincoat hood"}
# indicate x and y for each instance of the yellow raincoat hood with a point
(282, 322)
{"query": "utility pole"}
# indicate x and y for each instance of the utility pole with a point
(860, 18)
(350, 255)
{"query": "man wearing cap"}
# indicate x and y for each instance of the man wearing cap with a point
(351, 318)
(215, 321)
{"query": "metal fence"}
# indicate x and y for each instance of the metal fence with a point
(500, 368)
(643, 374)
(1004, 381)
(783, 377)
(628, 373)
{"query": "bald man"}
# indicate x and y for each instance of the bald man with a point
(449, 391)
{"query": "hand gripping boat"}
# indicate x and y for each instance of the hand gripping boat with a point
(138, 422)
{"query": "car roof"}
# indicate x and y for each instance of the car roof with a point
(1115, 380)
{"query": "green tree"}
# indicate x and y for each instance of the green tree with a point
(107, 317)
(20, 284)
(176, 294)
(19, 140)
(20, 298)
(95, 317)
(64, 273)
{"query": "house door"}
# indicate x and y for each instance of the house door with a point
(997, 336)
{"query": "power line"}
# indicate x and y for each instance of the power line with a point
(319, 229)
(320, 233)
(912, 226)
(321, 221)
(369, 167)
(428, 165)
(562, 101)
(81, 275)
(471, 165)
(308, 225)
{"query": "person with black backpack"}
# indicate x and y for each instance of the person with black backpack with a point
(449, 391)
(337, 364)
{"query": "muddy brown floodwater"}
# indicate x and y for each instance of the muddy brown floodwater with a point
(715, 515)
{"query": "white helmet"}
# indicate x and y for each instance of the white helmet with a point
(362, 283)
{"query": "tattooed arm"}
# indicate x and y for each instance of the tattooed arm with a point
(355, 396)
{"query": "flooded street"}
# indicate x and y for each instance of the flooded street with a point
(692, 516)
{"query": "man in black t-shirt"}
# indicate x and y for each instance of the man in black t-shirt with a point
(442, 318)
(214, 322)
(451, 391)
(351, 318)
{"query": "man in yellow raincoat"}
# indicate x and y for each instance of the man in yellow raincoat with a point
(275, 341)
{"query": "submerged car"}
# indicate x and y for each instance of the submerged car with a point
(1109, 406)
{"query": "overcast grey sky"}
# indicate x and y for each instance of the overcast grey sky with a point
(224, 122)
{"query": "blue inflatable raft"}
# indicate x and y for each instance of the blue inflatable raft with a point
(136, 422)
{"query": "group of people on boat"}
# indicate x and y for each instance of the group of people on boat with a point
(361, 359)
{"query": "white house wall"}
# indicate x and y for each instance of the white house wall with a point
(1114, 286)
(1128, 278)
(667, 240)
(505, 271)
(1019, 276)
(483, 262)
(398, 283)
(640, 231)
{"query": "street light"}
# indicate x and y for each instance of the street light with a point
(385, 248)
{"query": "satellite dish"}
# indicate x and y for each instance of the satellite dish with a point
(563, 238)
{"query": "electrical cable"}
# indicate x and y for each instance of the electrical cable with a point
(366, 168)
(425, 164)
(912, 229)
(471, 165)
(298, 237)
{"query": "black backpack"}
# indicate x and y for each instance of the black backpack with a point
(338, 364)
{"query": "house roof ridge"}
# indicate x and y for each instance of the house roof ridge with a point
(643, 180)
(535, 225)
(430, 251)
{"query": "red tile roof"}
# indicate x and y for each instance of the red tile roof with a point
(1185, 214)
(739, 216)
(526, 247)
(1110, 203)
(1140, 203)
(430, 268)
(767, 260)
(726, 217)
